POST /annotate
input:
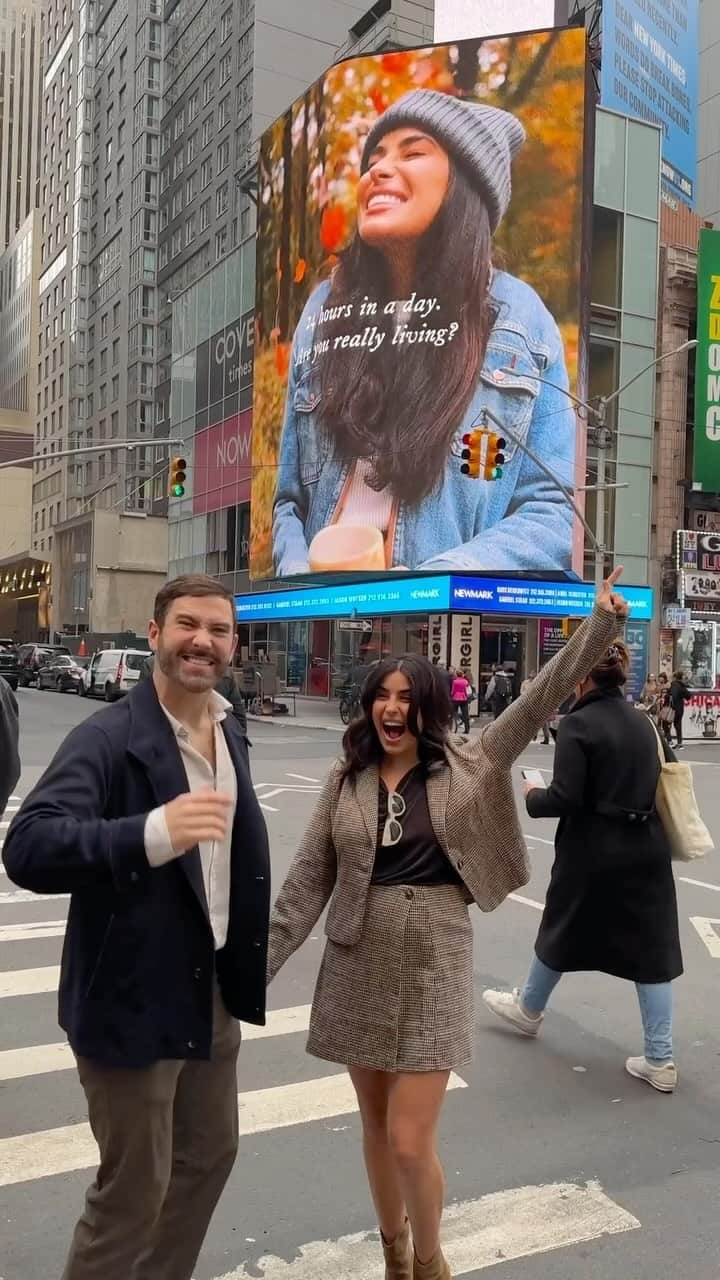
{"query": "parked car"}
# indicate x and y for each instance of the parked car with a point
(33, 657)
(9, 663)
(63, 673)
(112, 672)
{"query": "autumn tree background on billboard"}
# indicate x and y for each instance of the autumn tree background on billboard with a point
(309, 167)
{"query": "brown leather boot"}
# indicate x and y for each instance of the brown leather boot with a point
(436, 1269)
(398, 1255)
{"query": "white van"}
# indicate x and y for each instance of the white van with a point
(113, 672)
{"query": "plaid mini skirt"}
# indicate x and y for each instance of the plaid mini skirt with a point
(402, 998)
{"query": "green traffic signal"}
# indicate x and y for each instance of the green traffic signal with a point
(178, 490)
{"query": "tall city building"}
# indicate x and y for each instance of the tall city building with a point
(20, 63)
(708, 203)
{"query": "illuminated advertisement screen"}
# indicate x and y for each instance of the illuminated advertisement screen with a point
(435, 595)
(418, 313)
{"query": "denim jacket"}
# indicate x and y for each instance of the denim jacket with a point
(521, 521)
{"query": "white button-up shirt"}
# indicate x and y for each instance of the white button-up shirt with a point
(214, 854)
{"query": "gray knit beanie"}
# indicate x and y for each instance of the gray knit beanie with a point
(482, 139)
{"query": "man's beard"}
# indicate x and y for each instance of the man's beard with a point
(202, 677)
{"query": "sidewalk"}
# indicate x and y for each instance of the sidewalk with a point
(318, 713)
(312, 713)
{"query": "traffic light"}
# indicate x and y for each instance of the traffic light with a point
(472, 453)
(178, 475)
(494, 457)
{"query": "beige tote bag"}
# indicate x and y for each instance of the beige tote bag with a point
(678, 809)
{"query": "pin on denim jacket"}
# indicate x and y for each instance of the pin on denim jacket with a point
(521, 521)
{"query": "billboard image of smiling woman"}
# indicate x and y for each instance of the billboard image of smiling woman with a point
(418, 278)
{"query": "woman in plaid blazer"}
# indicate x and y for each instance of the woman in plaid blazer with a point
(412, 826)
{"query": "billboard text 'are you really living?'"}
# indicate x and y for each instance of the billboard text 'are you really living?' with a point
(418, 280)
(706, 469)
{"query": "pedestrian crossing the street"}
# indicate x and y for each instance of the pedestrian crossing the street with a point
(294, 1098)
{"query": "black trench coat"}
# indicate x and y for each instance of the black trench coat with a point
(611, 905)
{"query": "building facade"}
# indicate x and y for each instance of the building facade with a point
(18, 354)
(21, 59)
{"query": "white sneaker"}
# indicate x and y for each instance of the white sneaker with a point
(506, 1005)
(662, 1078)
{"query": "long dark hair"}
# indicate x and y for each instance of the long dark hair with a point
(401, 406)
(429, 702)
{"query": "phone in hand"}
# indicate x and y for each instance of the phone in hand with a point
(533, 777)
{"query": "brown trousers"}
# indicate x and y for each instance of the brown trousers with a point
(168, 1137)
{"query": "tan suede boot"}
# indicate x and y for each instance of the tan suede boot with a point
(398, 1255)
(436, 1269)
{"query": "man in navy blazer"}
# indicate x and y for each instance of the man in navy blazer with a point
(148, 818)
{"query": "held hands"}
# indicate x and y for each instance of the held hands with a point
(196, 816)
(611, 600)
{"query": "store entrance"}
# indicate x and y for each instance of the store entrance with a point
(506, 646)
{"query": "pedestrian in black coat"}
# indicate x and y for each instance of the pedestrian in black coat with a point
(9, 733)
(611, 905)
(148, 818)
(679, 695)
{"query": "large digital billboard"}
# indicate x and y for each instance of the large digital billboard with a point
(463, 19)
(419, 250)
(650, 69)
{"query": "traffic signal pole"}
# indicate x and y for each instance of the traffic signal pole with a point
(103, 446)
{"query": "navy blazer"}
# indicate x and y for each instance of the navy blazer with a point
(139, 957)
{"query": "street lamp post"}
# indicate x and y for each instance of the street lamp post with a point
(602, 436)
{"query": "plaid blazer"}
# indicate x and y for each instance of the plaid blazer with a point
(471, 803)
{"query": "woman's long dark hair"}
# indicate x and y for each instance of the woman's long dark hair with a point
(429, 703)
(402, 405)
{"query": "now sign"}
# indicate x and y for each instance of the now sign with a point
(222, 467)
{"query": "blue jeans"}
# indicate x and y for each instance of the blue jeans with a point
(655, 1008)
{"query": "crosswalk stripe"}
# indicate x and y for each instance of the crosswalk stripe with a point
(53, 1151)
(41, 1059)
(32, 929)
(29, 982)
(26, 895)
(501, 1227)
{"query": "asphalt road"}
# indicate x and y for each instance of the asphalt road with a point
(558, 1165)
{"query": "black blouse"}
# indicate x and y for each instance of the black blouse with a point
(407, 850)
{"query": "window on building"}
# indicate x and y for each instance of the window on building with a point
(208, 88)
(225, 69)
(221, 200)
(193, 106)
(221, 242)
(226, 24)
(205, 215)
(206, 174)
(207, 130)
(223, 155)
(190, 228)
(176, 243)
(191, 147)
